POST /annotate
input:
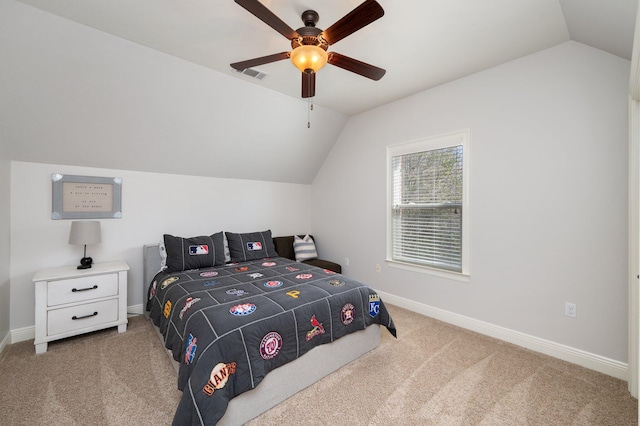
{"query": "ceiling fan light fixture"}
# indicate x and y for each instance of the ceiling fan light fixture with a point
(309, 57)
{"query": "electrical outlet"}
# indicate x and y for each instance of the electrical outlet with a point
(570, 309)
(378, 268)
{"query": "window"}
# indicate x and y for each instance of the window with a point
(428, 213)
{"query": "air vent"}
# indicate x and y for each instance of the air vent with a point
(253, 73)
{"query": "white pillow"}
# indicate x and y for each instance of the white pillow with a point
(304, 248)
(163, 256)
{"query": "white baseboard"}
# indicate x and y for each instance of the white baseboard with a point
(22, 334)
(29, 333)
(585, 359)
(5, 341)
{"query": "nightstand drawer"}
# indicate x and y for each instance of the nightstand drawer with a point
(83, 288)
(81, 316)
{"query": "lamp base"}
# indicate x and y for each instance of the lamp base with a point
(85, 263)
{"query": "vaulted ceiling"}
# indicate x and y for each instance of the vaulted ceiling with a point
(57, 49)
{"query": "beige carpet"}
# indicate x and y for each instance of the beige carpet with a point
(433, 374)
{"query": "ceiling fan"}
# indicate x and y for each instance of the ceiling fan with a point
(310, 43)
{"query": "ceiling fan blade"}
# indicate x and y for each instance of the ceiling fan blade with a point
(308, 84)
(268, 17)
(358, 18)
(358, 67)
(260, 61)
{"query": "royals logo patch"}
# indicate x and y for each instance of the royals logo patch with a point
(254, 246)
(374, 305)
(190, 351)
(243, 309)
(198, 250)
(347, 314)
(270, 345)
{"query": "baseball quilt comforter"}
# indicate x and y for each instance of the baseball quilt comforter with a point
(229, 326)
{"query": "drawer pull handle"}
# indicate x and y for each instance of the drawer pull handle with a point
(84, 316)
(85, 289)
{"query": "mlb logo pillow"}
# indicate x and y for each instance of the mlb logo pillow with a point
(251, 246)
(254, 246)
(198, 250)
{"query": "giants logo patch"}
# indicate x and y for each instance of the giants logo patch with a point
(270, 345)
(198, 250)
(219, 377)
(254, 246)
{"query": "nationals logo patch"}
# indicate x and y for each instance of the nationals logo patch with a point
(243, 309)
(198, 250)
(347, 314)
(270, 345)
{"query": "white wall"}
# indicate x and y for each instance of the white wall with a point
(152, 204)
(5, 225)
(548, 196)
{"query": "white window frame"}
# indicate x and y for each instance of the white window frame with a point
(457, 138)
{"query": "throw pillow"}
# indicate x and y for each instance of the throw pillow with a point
(304, 248)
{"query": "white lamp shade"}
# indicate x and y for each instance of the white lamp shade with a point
(85, 232)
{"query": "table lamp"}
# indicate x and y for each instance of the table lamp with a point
(83, 233)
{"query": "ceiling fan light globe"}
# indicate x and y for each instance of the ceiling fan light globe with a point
(309, 57)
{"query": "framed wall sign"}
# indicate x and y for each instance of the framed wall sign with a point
(86, 197)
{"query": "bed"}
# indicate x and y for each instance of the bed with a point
(227, 325)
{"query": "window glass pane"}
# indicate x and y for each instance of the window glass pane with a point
(427, 208)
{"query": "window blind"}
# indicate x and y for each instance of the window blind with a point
(427, 208)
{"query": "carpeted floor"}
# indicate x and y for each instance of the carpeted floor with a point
(433, 374)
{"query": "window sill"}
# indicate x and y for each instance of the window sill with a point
(456, 276)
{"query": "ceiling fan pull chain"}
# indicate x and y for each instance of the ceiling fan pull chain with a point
(309, 113)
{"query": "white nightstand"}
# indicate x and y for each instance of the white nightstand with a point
(71, 301)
